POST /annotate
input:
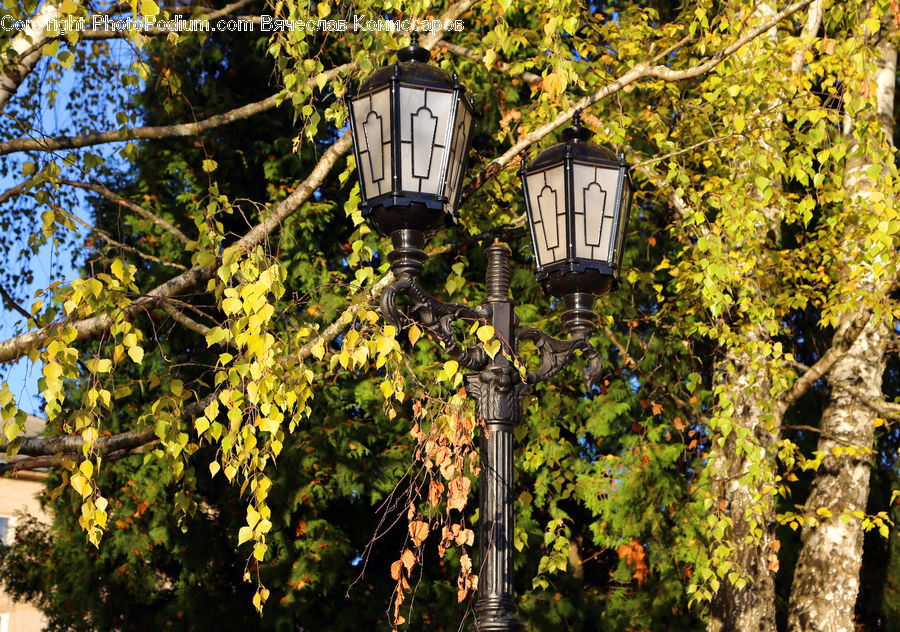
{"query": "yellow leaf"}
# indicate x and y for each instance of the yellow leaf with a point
(414, 334)
(10, 431)
(252, 516)
(52, 371)
(149, 7)
(136, 353)
(80, 484)
(485, 333)
(450, 367)
(259, 551)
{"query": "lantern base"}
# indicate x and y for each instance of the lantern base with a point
(571, 278)
(402, 213)
(408, 257)
(579, 317)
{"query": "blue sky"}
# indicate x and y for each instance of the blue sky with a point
(50, 263)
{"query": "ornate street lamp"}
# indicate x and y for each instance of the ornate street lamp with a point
(411, 127)
(577, 197)
(575, 261)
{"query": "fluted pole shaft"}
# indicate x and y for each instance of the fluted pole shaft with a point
(498, 391)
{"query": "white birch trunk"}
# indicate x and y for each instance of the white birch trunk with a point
(28, 45)
(826, 579)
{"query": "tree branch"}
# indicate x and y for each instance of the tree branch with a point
(843, 339)
(179, 317)
(118, 199)
(461, 51)
(632, 363)
(111, 240)
(30, 48)
(813, 21)
(12, 304)
(123, 135)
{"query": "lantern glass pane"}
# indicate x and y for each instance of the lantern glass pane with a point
(594, 198)
(372, 118)
(622, 220)
(547, 204)
(424, 114)
(462, 128)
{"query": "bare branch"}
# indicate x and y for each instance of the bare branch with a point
(843, 339)
(461, 51)
(118, 199)
(30, 49)
(12, 304)
(632, 363)
(888, 410)
(42, 446)
(44, 462)
(112, 241)
(16, 190)
(118, 136)
(179, 317)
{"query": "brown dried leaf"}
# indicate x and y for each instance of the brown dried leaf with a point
(448, 469)
(435, 491)
(409, 559)
(418, 531)
(395, 569)
(458, 492)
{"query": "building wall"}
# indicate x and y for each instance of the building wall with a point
(18, 495)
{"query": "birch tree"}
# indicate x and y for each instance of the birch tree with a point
(727, 112)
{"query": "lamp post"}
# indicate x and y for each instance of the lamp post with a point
(411, 126)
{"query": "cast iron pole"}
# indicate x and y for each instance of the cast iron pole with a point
(498, 391)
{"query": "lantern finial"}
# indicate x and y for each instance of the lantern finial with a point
(414, 52)
(578, 132)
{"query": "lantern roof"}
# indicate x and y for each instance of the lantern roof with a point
(412, 67)
(576, 146)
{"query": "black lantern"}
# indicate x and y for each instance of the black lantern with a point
(577, 196)
(411, 126)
